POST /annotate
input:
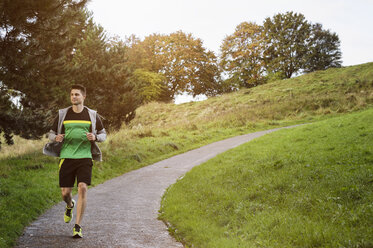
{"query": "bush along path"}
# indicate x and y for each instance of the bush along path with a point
(123, 211)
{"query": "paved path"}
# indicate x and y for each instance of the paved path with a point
(122, 212)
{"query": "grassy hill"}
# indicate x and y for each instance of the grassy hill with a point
(303, 98)
(310, 186)
(29, 182)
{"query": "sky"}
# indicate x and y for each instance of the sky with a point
(213, 20)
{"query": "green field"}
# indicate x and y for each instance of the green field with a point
(311, 186)
(29, 182)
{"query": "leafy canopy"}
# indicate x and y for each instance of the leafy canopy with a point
(285, 45)
(101, 66)
(183, 61)
(242, 53)
(36, 39)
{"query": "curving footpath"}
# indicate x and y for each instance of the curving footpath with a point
(122, 212)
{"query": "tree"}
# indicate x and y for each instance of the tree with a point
(182, 59)
(323, 50)
(36, 40)
(294, 45)
(101, 66)
(242, 55)
(148, 85)
(286, 43)
(7, 115)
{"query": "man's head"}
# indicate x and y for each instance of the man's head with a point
(78, 94)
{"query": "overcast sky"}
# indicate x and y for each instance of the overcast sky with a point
(212, 20)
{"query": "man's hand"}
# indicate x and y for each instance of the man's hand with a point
(59, 137)
(91, 136)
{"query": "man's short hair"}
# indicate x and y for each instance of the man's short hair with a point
(79, 87)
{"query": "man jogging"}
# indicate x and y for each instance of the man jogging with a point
(74, 134)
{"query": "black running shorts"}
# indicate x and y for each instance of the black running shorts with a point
(71, 169)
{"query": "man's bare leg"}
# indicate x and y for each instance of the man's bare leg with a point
(67, 196)
(82, 201)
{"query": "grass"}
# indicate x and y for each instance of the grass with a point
(29, 181)
(308, 97)
(27, 188)
(311, 186)
(23, 146)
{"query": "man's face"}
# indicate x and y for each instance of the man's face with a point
(76, 97)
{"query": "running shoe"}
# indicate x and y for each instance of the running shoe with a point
(77, 231)
(69, 212)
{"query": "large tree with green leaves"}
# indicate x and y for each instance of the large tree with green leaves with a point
(294, 45)
(37, 37)
(323, 50)
(183, 61)
(147, 85)
(286, 44)
(100, 64)
(242, 55)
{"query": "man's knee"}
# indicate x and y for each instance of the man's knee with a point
(66, 193)
(82, 188)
